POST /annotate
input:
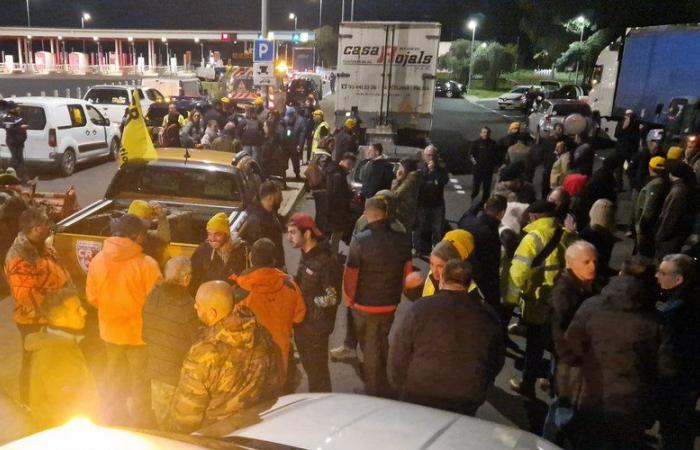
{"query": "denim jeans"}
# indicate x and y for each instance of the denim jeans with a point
(254, 152)
(373, 334)
(126, 376)
(431, 218)
(313, 352)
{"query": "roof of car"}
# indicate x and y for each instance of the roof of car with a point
(196, 155)
(47, 100)
(115, 86)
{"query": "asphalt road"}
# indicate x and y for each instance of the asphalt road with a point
(456, 121)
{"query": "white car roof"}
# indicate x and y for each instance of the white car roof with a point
(347, 421)
(114, 86)
(47, 101)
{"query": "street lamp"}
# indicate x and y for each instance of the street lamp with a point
(320, 12)
(294, 17)
(29, 21)
(84, 18)
(167, 52)
(472, 26)
(581, 21)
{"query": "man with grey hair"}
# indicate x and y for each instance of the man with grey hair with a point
(576, 284)
(677, 277)
(170, 326)
(431, 200)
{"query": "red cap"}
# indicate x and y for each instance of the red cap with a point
(304, 222)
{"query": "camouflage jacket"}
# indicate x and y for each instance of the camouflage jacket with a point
(234, 365)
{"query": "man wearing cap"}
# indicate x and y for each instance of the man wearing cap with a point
(648, 206)
(674, 156)
(692, 154)
(509, 140)
(321, 130)
(119, 279)
(638, 170)
(156, 240)
(538, 261)
(220, 256)
(521, 156)
(675, 220)
(379, 260)
(512, 186)
(346, 140)
(627, 145)
(319, 277)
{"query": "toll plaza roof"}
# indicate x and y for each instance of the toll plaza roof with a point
(146, 34)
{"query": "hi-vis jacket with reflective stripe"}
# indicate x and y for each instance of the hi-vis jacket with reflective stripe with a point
(528, 286)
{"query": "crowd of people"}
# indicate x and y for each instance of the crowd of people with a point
(190, 341)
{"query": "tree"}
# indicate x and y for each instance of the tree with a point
(587, 51)
(327, 45)
(456, 60)
(490, 60)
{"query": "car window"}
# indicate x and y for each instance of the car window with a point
(565, 109)
(108, 96)
(174, 181)
(33, 116)
(77, 115)
(519, 90)
(95, 117)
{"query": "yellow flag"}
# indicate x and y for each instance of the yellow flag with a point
(136, 141)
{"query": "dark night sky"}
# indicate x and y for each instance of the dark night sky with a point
(500, 17)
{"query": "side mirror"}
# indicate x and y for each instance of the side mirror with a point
(106, 122)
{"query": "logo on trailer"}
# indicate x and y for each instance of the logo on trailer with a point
(85, 251)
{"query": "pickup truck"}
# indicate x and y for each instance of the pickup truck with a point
(191, 185)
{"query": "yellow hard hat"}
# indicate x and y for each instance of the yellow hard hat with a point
(225, 99)
(674, 153)
(318, 113)
(140, 209)
(657, 163)
(514, 126)
(350, 123)
(259, 101)
(219, 224)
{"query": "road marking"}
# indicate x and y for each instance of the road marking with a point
(458, 186)
(459, 191)
(511, 118)
(454, 180)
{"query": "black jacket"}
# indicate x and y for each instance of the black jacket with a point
(486, 155)
(317, 275)
(338, 196)
(380, 254)
(207, 265)
(261, 223)
(344, 143)
(603, 240)
(377, 175)
(215, 114)
(627, 143)
(15, 136)
(432, 189)
(447, 351)
(170, 325)
(250, 132)
(615, 338)
(582, 159)
(487, 254)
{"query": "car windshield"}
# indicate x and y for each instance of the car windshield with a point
(572, 108)
(190, 182)
(108, 96)
(520, 90)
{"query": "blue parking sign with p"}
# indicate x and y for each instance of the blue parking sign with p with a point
(263, 51)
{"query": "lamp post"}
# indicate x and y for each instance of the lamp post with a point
(582, 23)
(472, 26)
(320, 12)
(167, 53)
(294, 17)
(352, 11)
(29, 20)
(84, 18)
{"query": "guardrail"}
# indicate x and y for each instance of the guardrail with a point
(78, 92)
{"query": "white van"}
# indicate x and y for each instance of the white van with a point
(112, 101)
(63, 132)
(174, 87)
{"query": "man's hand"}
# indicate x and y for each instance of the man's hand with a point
(157, 209)
(431, 165)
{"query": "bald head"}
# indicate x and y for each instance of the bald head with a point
(213, 302)
(581, 259)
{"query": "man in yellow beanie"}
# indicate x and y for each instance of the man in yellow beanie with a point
(220, 256)
(346, 140)
(156, 240)
(674, 155)
(648, 207)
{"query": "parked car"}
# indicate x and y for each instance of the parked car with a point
(307, 421)
(63, 132)
(548, 87)
(112, 101)
(515, 99)
(448, 88)
(572, 114)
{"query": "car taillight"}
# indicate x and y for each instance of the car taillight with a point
(53, 142)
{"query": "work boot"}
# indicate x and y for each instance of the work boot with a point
(343, 352)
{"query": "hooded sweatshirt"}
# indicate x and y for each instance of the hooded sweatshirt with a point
(119, 279)
(61, 385)
(276, 301)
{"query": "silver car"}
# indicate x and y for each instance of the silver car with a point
(573, 114)
(515, 99)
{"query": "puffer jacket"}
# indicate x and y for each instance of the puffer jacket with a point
(61, 385)
(447, 350)
(119, 279)
(530, 288)
(207, 264)
(276, 301)
(170, 325)
(406, 192)
(318, 275)
(234, 365)
(31, 274)
(619, 364)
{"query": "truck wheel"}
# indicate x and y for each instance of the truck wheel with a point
(113, 150)
(67, 163)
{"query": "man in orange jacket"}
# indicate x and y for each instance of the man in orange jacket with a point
(272, 295)
(119, 279)
(32, 272)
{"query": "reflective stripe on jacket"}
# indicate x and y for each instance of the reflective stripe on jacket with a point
(317, 135)
(530, 288)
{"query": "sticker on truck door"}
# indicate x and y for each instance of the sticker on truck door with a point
(85, 251)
